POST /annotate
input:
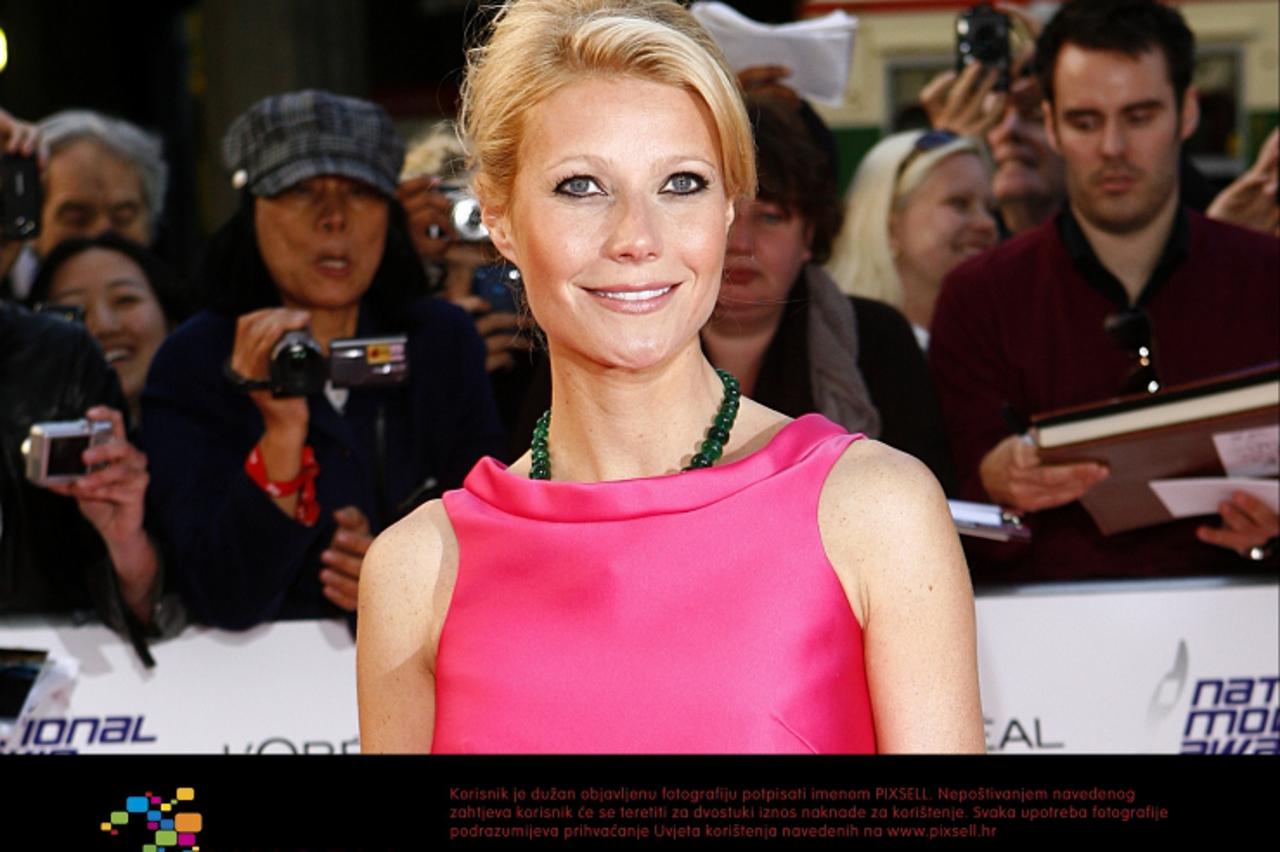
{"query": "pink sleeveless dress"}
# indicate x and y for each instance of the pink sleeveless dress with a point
(690, 613)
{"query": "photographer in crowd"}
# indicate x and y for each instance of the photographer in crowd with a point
(270, 480)
(77, 542)
(99, 174)
(466, 269)
(71, 510)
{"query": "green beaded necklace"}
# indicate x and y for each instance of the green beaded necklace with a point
(711, 449)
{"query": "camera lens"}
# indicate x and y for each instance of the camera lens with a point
(298, 367)
(467, 220)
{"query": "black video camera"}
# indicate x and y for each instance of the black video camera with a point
(299, 367)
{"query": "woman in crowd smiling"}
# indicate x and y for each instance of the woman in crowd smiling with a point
(130, 301)
(920, 203)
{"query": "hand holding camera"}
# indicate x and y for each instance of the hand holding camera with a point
(257, 335)
(110, 491)
(964, 103)
(111, 481)
(21, 194)
(428, 210)
(995, 49)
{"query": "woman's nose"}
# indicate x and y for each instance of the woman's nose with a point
(635, 235)
(100, 318)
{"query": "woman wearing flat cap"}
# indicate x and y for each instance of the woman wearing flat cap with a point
(269, 484)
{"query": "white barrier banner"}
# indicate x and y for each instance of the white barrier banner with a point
(1163, 667)
(282, 688)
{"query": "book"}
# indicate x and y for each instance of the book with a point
(1223, 426)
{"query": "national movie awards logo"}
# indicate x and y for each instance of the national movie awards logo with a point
(171, 826)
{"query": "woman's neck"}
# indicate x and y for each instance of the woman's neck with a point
(739, 346)
(918, 298)
(611, 423)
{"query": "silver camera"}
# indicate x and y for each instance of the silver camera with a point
(361, 362)
(53, 450)
(465, 214)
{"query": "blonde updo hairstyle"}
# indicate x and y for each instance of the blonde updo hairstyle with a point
(862, 262)
(536, 47)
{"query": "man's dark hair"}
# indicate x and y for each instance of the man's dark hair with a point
(233, 279)
(1131, 27)
(173, 296)
(794, 171)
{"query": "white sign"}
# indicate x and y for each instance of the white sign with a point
(1153, 667)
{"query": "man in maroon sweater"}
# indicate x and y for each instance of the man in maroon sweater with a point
(1023, 329)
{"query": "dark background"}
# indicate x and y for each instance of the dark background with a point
(186, 68)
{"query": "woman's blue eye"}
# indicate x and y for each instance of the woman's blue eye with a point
(578, 186)
(685, 183)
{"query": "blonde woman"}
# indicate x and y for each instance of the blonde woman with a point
(919, 204)
(672, 567)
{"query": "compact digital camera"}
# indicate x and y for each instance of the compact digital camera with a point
(53, 449)
(465, 214)
(298, 366)
(982, 35)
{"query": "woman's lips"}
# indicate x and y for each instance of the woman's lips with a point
(739, 276)
(333, 267)
(634, 300)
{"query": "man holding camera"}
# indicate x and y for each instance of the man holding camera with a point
(1023, 329)
(99, 174)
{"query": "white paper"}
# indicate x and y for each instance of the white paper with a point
(817, 51)
(965, 512)
(1187, 498)
(1250, 452)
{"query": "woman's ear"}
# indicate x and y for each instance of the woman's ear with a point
(499, 227)
(496, 219)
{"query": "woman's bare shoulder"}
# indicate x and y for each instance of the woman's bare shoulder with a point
(416, 543)
(409, 572)
(405, 585)
(880, 511)
(888, 533)
(901, 483)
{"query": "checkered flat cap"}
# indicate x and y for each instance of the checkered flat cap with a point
(284, 139)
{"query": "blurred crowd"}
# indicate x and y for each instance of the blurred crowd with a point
(350, 343)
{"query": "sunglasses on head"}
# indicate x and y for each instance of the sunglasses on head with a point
(930, 141)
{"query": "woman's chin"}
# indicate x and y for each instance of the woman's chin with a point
(636, 353)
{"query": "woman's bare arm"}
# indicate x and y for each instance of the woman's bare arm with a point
(888, 532)
(405, 585)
